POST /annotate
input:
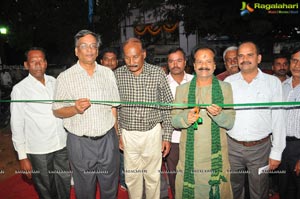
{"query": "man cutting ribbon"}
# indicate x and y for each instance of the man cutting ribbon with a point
(203, 160)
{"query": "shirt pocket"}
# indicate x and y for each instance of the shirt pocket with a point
(125, 93)
(149, 90)
(262, 97)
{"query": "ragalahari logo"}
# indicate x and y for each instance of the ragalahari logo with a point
(246, 8)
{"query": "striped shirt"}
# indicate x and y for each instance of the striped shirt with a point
(150, 86)
(75, 83)
(291, 94)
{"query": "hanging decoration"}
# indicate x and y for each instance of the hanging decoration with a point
(155, 29)
(170, 27)
(140, 30)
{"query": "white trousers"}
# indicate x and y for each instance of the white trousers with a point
(142, 162)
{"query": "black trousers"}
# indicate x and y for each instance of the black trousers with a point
(289, 182)
(51, 174)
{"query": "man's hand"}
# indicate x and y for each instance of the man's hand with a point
(69, 111)
(121, 146)
(26, 167)
(297, 168)
(273, 164)
(193, 115)
(214, 109)
(165, 149)
(82, 104)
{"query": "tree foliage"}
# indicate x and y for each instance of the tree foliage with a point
(49, 24)
(52, 24)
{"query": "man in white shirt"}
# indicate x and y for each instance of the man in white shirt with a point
(38, 136)
(289, 180)
(280, 67)
(176, 77)
(249, 141)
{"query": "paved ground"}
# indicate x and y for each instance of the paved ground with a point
(8, 157)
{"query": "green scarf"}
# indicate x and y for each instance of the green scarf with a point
(216, 154)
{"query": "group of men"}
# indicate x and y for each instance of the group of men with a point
(89, 112)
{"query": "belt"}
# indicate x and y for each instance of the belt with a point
(291, 138)
(93, 138)
(250, 143)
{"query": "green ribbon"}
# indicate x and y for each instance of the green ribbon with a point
(259, 104)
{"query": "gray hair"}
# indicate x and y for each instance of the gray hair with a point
(230, 48)
(83, 33)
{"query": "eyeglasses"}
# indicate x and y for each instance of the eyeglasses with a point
(295, 61)
(85, 46)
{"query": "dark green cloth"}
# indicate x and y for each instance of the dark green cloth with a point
(216, 155)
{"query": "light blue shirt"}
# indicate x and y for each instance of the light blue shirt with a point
(292, 117)
(257, 123)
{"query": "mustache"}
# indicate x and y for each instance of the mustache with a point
(133, 65)
(282, 70)
(203, 68)
(175, 67)
(235, 65)
(245, 62)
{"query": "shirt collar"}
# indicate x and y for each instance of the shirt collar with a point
(171, 79)
(37, 81)
(259, 76)
(82, 70)
(146, 68)
(288, 81)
